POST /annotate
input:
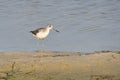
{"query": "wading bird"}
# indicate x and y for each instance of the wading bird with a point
(42, 33)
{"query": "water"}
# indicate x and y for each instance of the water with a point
(85, 25)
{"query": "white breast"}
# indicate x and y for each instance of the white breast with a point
(42, 35)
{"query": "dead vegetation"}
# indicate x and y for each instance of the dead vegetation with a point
(102, 77)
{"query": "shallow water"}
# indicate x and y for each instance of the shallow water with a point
(85, 25)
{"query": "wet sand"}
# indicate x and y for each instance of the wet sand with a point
(104, 65)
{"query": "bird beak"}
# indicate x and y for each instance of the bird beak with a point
(55, 30)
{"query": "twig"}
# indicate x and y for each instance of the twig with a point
(13, 66)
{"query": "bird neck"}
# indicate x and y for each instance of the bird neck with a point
(48, 29)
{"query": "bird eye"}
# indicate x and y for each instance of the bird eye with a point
(49, 25)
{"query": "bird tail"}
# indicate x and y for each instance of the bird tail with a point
(33, 32)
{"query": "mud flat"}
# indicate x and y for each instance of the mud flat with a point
(104, 65)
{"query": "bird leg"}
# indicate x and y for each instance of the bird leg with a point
(37, 44)
(42, 44)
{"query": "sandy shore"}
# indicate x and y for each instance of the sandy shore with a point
(104, 65)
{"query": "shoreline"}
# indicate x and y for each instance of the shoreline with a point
(60, 65)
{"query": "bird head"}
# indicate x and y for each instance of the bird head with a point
(51, 27)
